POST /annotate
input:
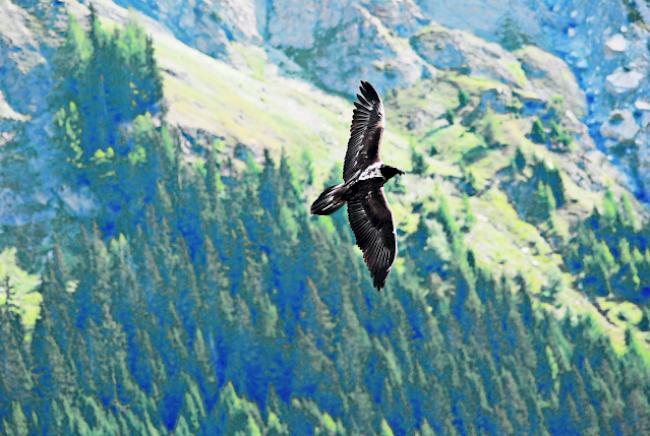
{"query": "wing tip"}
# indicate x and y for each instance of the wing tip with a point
(369, 92)
(379, 282)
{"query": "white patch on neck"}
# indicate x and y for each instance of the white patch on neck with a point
(373, 171)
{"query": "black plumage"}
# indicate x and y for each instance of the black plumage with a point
(364, 175)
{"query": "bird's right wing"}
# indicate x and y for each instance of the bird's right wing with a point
(365, 132)
(372, 224)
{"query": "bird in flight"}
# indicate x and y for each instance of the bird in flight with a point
(364, 175)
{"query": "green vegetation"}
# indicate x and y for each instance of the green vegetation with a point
(633, 14)
(210, 337)
(510, 36)
(520, 160)
(17, 287)
(610, 255)
(525, 198)
(559, 138)
(207, 300)
(418, 163)
(463, 98)
(108, 93)
(538, 133)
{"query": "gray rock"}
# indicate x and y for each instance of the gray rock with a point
(621, 82)
(342, 41)
(7, 112)
(495, 99)
(642, 105)
(644, 121)
(208, 25)
(458, 50)
(621, 126)
(579, 35)
(616, 44)
(26, 40)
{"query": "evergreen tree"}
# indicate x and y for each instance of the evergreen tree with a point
(511, 36)
(538, 133)
(520, 160)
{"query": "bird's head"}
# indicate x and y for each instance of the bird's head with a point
(389, 172)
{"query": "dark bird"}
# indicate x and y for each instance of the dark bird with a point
(364, 176)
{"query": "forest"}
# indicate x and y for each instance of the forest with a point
(203, 299)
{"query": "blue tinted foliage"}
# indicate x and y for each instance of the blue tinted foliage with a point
(210, 305)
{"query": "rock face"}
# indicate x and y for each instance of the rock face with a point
(367, 34)
(356, 45)
(644, 152)
(337, 42)
(621, 126)
(21, 59)
(208, 25)
(7, 112)
(372, 37)
(458, 50)
(28, 30)
(550, 77)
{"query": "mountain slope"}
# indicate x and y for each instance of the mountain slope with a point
(172, 306)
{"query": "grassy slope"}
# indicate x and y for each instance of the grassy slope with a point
(261, 108)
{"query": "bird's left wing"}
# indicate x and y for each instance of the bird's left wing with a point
(365, 132)
(372, 224)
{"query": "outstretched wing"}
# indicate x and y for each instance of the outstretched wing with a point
(372, 224)
(365, 132)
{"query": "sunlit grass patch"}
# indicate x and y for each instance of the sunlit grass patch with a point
(22, 287)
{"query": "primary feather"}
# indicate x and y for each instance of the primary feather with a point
(365, 132)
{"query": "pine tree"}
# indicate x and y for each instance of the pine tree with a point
(511, 36)
(16, 424)
(418, 163)
(15, 377)
(52, 373)
(463, 98)
(538, 132)
(520, 160)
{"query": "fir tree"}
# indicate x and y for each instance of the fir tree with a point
(538, 133)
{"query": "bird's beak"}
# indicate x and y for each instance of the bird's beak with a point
(401, 173)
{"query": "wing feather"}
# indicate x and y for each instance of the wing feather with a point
(365, 132)
(372, 224)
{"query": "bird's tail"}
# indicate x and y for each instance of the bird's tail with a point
(329, 201)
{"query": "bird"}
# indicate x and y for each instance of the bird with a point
(364, 175)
